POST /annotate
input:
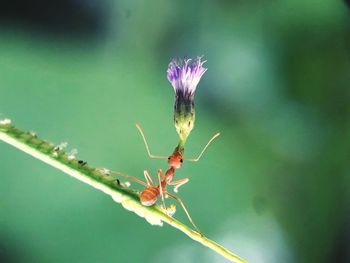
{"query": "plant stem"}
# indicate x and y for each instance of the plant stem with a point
(97, 178)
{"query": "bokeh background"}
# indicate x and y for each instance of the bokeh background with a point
(274, 187)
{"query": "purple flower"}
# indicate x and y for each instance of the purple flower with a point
(185, 74)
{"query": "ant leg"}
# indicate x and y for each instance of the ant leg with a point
(148, 178)
(185, 209)
(159, 174)
(146, 144)
(205, 147)
(178, 183)
(129, 177)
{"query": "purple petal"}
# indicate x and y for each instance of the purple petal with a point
(184, 75)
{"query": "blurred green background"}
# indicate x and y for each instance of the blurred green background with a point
(274, 187)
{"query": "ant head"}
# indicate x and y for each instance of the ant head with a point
(175, 160)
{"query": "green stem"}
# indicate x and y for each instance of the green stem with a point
(48, 153)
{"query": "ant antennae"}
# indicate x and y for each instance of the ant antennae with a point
(129, 177)
(146, 144)
(205, 147)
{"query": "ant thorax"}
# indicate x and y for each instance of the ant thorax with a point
(168, 177)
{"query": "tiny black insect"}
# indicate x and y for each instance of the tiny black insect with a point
(82, 163)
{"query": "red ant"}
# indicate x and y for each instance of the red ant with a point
(153, 191)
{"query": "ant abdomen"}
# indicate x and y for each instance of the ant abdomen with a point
(149, 196)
